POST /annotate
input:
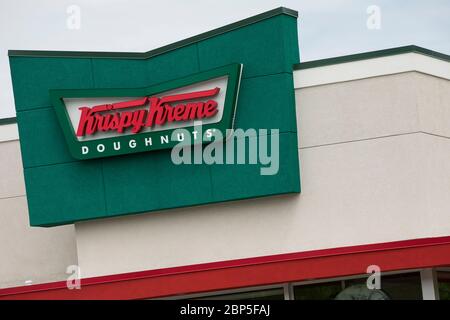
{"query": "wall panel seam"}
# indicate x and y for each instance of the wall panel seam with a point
(13, 197)
(363, 139)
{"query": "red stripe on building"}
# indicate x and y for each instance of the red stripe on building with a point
(266, 270)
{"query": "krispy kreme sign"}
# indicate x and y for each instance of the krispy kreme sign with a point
(156, 111)
(107, 122)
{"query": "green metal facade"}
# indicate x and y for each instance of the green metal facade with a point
(62, 190)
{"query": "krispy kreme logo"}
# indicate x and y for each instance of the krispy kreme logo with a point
(107, 122)
(156, 111)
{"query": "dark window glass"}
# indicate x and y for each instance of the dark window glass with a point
(397, 287)
(361, 292)
(444, 285)
(319, 291)
(271, 294)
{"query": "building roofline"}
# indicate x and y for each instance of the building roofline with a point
(173, 46)
(265, 15)
(371, 55)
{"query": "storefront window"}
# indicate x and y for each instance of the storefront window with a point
(406, 286)
(444, 285)
(320, 291)
(361, 292)
(394, 287)
(271, 294)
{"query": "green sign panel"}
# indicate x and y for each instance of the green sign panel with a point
(100, 144)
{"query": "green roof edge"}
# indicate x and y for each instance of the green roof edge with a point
(158, 51)
(371, 55)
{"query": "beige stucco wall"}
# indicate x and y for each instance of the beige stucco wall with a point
(374, 168)
(371, 108)
(36, 254)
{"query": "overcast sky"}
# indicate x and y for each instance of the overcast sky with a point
(326, 28)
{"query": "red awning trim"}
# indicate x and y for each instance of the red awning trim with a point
(298, 266)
